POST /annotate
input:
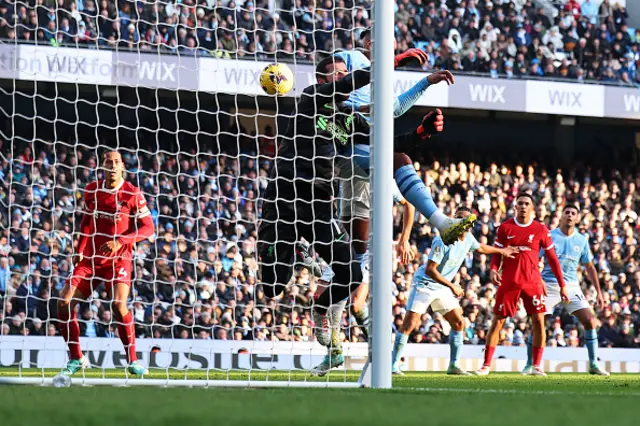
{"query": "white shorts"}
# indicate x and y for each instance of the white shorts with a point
(441, 300)
(356, 198)
(577, 300)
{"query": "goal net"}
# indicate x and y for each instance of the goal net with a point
(174, 87)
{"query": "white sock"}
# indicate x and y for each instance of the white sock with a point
(439, 220)
(334, 314)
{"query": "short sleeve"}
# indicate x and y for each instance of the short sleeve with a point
(546, 242)
(587, 255)
(397, 195)
(437, 251)
(474, 244)
(89, 196)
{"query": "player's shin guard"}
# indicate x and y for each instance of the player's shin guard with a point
(591, 342)
(70, 331)
(398, 348)
(537, 352)
(455, 343)
(127, 333)
(488, 355)
(530, 350)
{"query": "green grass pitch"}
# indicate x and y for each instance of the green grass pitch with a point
(417, 399)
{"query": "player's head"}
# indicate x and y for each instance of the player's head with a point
(113, 166)
(461, 213)
(570, 215)
(525, 206)
(330, 69)
(365, 39)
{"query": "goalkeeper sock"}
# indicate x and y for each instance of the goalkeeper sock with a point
(591, 342)
(537, 355)
(362, 318)
(530, 350)
(70, 330)
(416, 193)
(398, 347)
(455, 343)
(488, 355)
(334, 315)
(127, 334)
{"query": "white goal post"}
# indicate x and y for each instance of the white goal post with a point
(198, 137)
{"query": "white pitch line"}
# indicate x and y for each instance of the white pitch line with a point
(522, 392)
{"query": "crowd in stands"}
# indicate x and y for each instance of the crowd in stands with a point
(583, 40)
(197, 278)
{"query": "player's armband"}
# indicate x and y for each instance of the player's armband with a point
(143, 212)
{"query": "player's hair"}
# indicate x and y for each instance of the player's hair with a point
(463, 209)
(571, 205)
(365, 33)
(527, 195)
(321, 68)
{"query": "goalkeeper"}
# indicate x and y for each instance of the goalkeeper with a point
(298, 201)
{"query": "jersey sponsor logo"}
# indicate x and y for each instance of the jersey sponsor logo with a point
(510, 237)
(112, 217)
(524, 248)
(334, 129)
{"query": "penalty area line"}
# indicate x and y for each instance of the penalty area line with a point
(521, 392)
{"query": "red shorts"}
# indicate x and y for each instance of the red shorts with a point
(112, 272)
(533, 299)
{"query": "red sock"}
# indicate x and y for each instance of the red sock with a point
(488, 355)
(70, 330)
(537, 355)
(127, 333)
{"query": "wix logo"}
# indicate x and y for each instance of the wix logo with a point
(487, 93)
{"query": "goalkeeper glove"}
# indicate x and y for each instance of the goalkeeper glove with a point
(432, 123)
(410, 55)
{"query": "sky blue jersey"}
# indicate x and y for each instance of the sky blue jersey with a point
(571, 252)
(449, 259)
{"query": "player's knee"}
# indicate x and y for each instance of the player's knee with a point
(120, 308)
(498, 323)
(400, 160)
(590, 323)
(457, 324)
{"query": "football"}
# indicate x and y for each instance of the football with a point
(276, 79)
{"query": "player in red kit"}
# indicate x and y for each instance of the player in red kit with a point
(520, 278)
(116, 217)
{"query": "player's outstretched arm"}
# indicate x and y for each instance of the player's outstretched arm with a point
(508, 252)
(408, 99)
(592, 275)
(340, 89)
(432, 272)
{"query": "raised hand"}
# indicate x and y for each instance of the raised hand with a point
(439, 76)
(411, 55)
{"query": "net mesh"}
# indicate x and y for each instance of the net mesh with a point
(173, 86)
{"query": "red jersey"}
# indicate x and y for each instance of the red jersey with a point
(523, 269)
(113, 214)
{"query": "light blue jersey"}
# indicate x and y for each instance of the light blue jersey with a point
(571, 252)
(356, 60)
(449, 259)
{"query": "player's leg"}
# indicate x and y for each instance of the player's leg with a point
(332, 244)
(506, 306)
(417, 305)
(456, 340)
(533, 300)
(276, 248)
(588, 320)
(552, 300)
(415, 191)
(120, 287)
(78, 288)
(355, 218)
